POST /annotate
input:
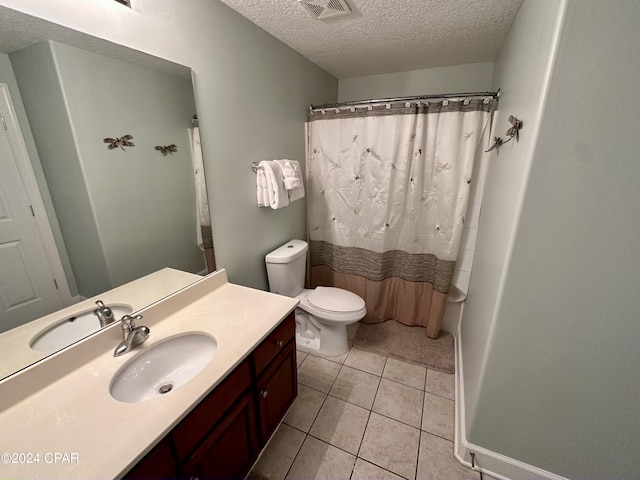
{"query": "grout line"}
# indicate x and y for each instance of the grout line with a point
(441, 396)
(382, 468)
(403, 384)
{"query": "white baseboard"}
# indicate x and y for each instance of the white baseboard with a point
(78, 299)
(492, 463)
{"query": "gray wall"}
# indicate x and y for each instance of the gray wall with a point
(560, 385)
(7, 76)
(124, 214)
(252, 95)
(143, 202)
(470, 77)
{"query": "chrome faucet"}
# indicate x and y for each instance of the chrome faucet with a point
(131, 335)
(104, 314)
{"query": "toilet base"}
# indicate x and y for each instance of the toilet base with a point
(308, 343)
(333, 341)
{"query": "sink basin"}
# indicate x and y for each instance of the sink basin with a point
(72, 329)
(163, 367)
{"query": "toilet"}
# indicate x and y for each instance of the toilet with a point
(324, 312)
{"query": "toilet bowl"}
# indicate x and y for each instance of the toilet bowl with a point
(324, 312)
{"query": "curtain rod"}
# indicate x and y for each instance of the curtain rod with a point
(495, 95)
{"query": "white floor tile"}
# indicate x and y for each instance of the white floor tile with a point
(391, 445)
(305, 408)
(341, 424)
(278, 456)
(438, 416)
(405, 373)
(355, 386)
(368, 471)
(318, 373)
(319, 460)
(436, 461)
(440, 383)
(366, 361)
(399, 402)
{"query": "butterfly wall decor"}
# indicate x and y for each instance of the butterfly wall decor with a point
(166, 149)
(513, 132)
(119, 142)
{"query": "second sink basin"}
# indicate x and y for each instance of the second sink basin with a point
(163, 367)
(64, 333)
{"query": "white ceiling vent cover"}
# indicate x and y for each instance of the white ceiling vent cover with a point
(322, 9)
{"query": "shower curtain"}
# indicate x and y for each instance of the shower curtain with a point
(204, 233)
(388, 187)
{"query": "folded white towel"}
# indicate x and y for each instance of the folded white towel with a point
(291, 174)
(261, 188)
(292, 177)
(276, 192)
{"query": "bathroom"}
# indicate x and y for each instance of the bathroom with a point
(549, 353)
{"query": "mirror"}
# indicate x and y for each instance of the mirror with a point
(122, 207)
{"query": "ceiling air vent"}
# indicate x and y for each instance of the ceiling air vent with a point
(323, 9)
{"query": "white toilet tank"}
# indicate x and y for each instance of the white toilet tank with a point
(286, 266)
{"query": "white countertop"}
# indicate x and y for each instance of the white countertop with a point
(102, 437)
(15, 352)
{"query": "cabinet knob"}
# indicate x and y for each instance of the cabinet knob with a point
(263, 394)
(280, 343)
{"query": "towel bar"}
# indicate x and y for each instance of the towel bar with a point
(255, 166)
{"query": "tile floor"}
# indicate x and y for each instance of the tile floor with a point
(365, 416)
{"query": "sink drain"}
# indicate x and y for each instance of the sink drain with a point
(165, 388)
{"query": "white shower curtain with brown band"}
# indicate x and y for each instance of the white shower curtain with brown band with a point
(388, 187)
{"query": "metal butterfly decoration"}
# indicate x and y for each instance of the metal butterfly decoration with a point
(119, 142)
(513, 132)
(166, 149)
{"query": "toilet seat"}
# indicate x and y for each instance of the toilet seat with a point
(324, 303)
(331, 299)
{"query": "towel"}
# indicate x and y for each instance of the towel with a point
(276, 193)
(292, 178)
(261, 188)
(291, 174)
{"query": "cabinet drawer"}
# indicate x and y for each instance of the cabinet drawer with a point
(274, 343)
(197, 424)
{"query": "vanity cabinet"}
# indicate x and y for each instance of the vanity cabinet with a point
(223, 435)
(276, 388)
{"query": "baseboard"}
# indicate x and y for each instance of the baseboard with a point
(489, 462)
(78, 299)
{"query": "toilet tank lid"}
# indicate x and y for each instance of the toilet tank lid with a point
(335, 300)
(288, 252)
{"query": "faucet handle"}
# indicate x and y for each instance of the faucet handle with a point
(128, 322)
(102, 306)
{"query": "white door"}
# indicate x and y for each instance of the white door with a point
(32, 282)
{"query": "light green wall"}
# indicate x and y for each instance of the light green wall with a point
(143, 202)
(124, 214)
(560, 386)
(7, 76)
(53, 133)
(252, 97)
(471, 77)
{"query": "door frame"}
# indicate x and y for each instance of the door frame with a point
(25, 169)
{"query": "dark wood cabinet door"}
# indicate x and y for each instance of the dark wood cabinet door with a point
(276, 389)
(157, 464)
(232, 447)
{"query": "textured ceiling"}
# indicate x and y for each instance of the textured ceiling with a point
(19, 30)
(385, 36)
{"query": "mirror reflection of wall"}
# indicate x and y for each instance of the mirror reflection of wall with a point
(122, 213)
